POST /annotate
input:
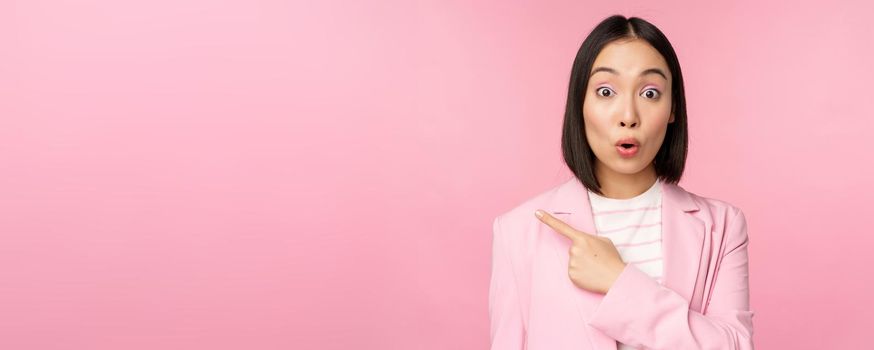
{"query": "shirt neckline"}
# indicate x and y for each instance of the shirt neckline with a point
(649, 193)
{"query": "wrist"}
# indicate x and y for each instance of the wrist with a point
(617, 271)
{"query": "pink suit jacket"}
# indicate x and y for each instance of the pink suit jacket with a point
(703, 304)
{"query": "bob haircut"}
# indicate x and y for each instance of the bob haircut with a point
(671, 157)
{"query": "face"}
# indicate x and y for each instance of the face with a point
(627, 97)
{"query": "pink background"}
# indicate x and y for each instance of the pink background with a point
(268, 175)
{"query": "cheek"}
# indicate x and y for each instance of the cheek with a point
(595, 115)
(597, 122)
(656, 137)
(596, 133)
(655, 109)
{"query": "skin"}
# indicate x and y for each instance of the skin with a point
(620, 104)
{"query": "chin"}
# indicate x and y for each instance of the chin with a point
(629, 166)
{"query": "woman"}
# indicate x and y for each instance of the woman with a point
(620, 256)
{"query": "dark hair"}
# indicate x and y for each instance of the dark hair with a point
(671, 157)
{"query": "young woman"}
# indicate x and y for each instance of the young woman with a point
(620, 256)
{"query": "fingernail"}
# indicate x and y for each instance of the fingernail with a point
(538, 213)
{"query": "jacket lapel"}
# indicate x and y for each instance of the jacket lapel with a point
(682, 243)
(682, 240)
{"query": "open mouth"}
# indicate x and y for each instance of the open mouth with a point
(628, 146)
(627, 149)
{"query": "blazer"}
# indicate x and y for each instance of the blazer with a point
(703, 303)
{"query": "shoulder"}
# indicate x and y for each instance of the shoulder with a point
(714, 205)
(723, 216)
(717, 206)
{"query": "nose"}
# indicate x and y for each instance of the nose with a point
(629, 117)
(627, 124)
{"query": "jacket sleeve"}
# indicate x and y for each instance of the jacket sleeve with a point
(505, 316)
(640, 312)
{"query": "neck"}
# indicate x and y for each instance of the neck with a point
(623, 186)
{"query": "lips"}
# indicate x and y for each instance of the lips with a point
(627, 142)
(627, 147)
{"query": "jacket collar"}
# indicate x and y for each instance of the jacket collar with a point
(683, 236)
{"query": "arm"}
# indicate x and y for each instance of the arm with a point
(640, 312)
(505, 316)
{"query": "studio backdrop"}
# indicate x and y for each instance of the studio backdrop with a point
(324, 175)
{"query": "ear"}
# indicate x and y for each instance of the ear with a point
(672, 118)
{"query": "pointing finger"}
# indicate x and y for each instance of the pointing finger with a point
(557, 225)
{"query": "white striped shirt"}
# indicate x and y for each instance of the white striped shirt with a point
(635, 226)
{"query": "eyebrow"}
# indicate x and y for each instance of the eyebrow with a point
(611, 70)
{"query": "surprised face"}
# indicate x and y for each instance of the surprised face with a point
(627, 102)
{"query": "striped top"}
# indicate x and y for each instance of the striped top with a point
(634, 225)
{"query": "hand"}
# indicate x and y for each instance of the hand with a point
(594, 262)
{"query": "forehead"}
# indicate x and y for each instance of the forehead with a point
(629, 57)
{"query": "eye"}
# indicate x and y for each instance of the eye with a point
(600, 92)
(651, 93)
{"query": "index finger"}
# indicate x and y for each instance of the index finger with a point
(557, 225)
